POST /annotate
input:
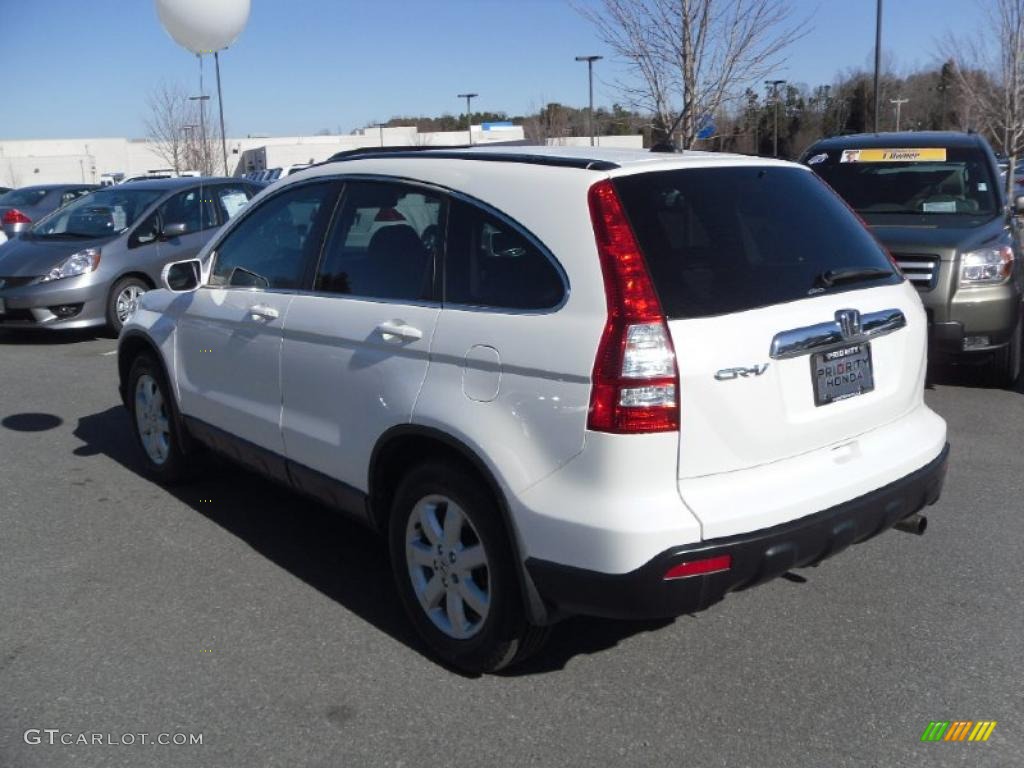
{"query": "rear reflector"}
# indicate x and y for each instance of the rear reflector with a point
(716, 564)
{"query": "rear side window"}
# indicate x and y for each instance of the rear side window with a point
(231, 199)
(384, 243)
(272, 245)
(721, 240)
(491, 264)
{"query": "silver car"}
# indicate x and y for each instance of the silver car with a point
(86, 264)
(19, 208)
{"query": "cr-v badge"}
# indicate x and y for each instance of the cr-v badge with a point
(728, 374)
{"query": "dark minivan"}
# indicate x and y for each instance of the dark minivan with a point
(936, 201)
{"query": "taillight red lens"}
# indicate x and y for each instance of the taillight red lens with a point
(14, 216)
(704, 567)
(389, 214)
(635, 380)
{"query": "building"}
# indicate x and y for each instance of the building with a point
(52, 161)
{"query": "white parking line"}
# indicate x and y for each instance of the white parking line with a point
(108, 354)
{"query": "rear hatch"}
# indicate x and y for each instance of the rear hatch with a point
(792, 329)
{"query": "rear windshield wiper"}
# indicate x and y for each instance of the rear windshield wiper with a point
(831, 277)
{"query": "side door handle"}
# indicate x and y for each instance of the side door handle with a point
(264, 312)
(397, 331)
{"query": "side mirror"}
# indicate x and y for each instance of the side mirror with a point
(174, 230)
(182, 276)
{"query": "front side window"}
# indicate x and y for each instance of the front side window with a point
(193, 208)
(105, 212)
(271, 246)
(491, 264)
(384, 243)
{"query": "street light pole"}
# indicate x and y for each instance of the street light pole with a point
(590, 80)
(469, 114)
(220, 102)
(202, 125)
(380, 126)
(774, 85)
(878, 55)
(899, 104)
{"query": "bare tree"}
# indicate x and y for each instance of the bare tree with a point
(989, 71)
(168, 116)
(549, 123)
(690, 57)
(175, 128)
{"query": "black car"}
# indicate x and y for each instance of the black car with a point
(936, 200)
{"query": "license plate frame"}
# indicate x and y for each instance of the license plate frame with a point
(834, 379)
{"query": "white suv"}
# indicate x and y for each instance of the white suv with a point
(610, 383)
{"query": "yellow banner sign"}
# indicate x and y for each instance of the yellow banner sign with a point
(922, 155)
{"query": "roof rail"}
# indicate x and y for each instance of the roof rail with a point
(466, 152)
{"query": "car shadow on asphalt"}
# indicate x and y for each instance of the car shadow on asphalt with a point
(340, 558)
(969, 376)
(37, 337)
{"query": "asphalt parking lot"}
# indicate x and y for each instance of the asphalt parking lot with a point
(235, 610)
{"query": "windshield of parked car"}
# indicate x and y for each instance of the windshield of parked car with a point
(922, 182)
(24, 197)
(99, 214)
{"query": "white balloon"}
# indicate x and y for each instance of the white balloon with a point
(203, 26)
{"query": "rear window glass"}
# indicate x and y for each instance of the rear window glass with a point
(721, 240)
(947, 181)
(23, 197)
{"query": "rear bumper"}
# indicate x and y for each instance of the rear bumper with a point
(757, 556)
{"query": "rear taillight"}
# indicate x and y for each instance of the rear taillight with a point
(635, 380)
(389, 214)
(14, 216)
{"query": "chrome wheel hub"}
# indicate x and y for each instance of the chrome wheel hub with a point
(448, 567)
(126, 302)
(151, 419)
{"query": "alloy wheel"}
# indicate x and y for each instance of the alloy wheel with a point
(152, 420)
(448, 566)
(126, 300)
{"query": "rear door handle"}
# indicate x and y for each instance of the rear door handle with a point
(397, 331)
(263, 311)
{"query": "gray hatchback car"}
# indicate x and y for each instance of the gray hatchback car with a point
(20, 207)
(86, 264)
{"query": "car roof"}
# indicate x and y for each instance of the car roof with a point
(904, 139)
(587, 158)
(181, 181)
(52, 187)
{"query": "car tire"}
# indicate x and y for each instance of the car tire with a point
(1006, 368)
(125, 290)
(167, 452)
(466, 572)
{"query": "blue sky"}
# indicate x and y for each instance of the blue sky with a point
(83, 68)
